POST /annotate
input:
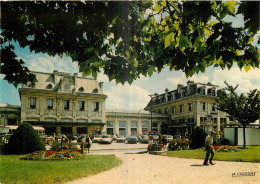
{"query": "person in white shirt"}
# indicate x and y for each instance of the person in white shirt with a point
(209, 149)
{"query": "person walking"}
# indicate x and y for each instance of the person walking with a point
(209, 149)
(164, 143)
(150, 142)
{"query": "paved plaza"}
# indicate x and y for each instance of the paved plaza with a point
(144, 168)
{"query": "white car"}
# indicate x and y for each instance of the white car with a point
(96, 139)
(106, 139)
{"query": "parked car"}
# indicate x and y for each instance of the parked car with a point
(132, 140)
(144, 139)
(96, 139)
(106, 139)
(169, 138)
(121, 138)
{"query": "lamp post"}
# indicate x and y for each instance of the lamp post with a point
(151, 96)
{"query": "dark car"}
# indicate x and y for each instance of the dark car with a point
(132, 140)
(121, 138)
(144, 139)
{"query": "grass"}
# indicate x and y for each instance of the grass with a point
(14, 170)
(249, 154)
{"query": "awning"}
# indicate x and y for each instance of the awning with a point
(57, 123)
(177, 125)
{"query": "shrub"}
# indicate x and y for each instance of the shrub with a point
(197, 138)
(24, 140)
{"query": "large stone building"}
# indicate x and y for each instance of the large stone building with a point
(63, 103)
(189, 106)
(131, 122)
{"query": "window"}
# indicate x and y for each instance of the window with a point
(160, 111)
(82, 105)
(66, 104)
(110, 123)
(213, 93)
(155, 124)
(169, 97)
(121, 124)
(49, 86)
(145, 124)
(203, 119)
(50, 103)
(96, 106)
(133, 124)
(95, 91)
(190, 107)
(183, 94)
(166, 111)
(32, 102)
(173, 110)
(81, 89)
(214, 107)
(204, 106)
(181, 108)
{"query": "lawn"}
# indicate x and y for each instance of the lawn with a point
(249, 154)
(14, 170)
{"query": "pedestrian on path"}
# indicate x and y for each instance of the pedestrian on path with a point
(209, 149)
(150, 142)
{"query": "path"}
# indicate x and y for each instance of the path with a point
(154, 169)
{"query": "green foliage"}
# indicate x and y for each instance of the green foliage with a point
(126, 41)
(197, 138)
(55, 145)
(24, 140)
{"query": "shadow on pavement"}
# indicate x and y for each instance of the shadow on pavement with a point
(197, 165)
(141, 152)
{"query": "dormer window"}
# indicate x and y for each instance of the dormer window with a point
(31, 85)
(81, 89)
(49, 86)
(95, 90)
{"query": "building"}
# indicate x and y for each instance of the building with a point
(189, 106)
(10, 114)
(63, 103)
(127, 122)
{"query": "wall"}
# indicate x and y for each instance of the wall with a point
(235, 136)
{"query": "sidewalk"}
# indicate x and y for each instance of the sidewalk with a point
(153, 169)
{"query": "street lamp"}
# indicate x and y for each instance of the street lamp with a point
(151, 96)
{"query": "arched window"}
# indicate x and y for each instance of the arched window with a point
(81, 89)
(49, 86)
(95, 90)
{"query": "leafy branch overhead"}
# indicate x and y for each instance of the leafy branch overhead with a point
(130, 39)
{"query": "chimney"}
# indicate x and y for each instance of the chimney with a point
(75, 79)
(55, 76)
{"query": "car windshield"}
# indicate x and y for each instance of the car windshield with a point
(170, 136)
(97, 136)
(121, 136)
(145, 136)
(156, 136)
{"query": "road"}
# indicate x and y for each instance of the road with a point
(146, 168)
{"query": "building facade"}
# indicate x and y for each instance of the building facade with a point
(10, 114)
(64, 103)
(127, 122)
(189, 106)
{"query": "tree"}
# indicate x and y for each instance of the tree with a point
(197, 138)
(244, 108)
(130, 39)
(24, 140)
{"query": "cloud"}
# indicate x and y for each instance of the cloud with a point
(246, 80)
(174, 81)
(131, 97)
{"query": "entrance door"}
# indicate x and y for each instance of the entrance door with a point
(66, 130)
(82, 130)
(133, 131)
(121, 131)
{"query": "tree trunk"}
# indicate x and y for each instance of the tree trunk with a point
(244, 135)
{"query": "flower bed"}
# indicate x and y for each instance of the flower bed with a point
(226, 148)
(53, 155)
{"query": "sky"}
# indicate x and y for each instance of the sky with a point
(136, 95)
